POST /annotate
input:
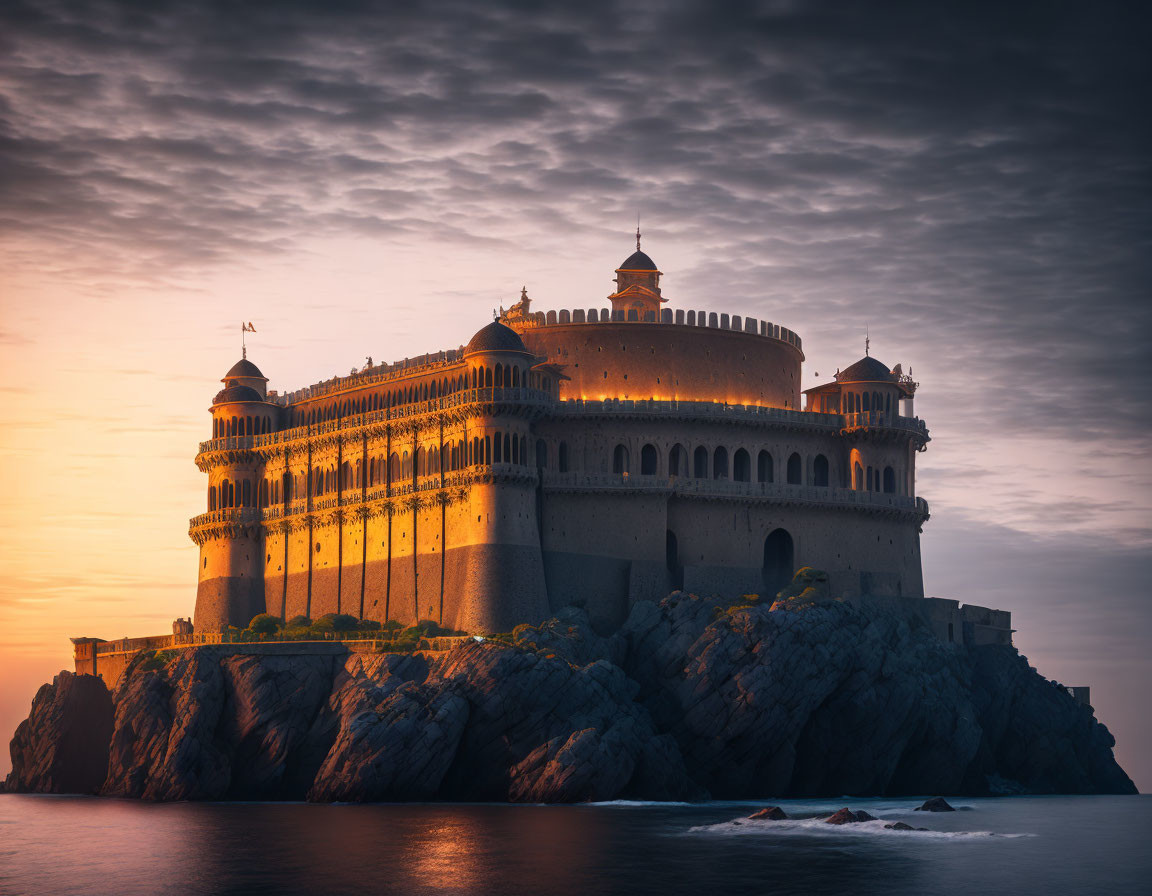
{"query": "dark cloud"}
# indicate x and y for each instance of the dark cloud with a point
(974, 174)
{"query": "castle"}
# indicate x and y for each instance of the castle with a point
(597, 457)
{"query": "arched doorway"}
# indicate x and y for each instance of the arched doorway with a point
(648, 460)
(778, 558)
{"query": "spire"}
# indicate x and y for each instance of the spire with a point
(637, 233)
(867, 342)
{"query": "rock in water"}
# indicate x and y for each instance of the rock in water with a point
(847, 816)
(936, 804)
(770, 813)
(62, 747)
(899, 826)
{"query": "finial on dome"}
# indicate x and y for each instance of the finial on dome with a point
(867, 342)
(523, 293)
(637, 233)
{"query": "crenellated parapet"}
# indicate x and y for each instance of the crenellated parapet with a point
(666, 317)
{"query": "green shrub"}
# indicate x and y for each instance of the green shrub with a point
(335, 622)
(391, 626)
(299, 622)
(264, 624)
(158, 660)
(368, 625)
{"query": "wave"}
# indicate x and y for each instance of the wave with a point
(807, 826)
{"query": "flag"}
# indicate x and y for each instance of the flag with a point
(247, 327)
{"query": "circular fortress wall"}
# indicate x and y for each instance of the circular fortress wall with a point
(668, 361)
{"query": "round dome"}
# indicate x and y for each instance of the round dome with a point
(496, 337)
(638, 261)
(866, 370)
(244, 369)
(237, 393)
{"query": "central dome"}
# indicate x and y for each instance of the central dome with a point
(638, 261)
(496, 337)
(244, 369)
(866, 370)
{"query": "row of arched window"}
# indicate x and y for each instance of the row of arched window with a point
(857, 402)
(240, 426)
(874, 479)
(479, 377)
(719, 463)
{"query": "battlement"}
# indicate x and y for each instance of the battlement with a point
(377, 373)
(666, 317)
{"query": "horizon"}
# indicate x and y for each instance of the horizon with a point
(374, 183)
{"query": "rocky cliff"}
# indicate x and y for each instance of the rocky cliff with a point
(693, 697)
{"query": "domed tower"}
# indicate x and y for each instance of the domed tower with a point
(231, 588)
(499, 522)
(637, 284)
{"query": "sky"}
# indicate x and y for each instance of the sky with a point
(967, 184)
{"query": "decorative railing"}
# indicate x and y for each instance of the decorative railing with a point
(689, 486)
(710, 410)
(882, 420)
(510, 394)
(229, 515)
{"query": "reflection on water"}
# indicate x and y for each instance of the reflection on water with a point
(63, 845)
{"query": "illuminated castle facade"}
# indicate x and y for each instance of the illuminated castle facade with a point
(596, 457)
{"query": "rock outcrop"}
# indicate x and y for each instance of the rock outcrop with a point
(691, 697)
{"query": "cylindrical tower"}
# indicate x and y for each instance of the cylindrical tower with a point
(230, 589)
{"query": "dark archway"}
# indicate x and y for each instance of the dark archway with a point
(889, 481)
(795, 470)
(648, 460)
(620, 459)
(700, 463)
(778, 559)
(820, 471)
(764, 467)
(677, 461)
(541, 453)
(720, 463)
(741, 466)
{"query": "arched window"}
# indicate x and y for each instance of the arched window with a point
(541, 454)
(857, 477)
(620, 459)
(677, 461)
(764, 467)
(889, 481)
(795, 469)
(487, 377)
(648, 460)
(778, 560)
(515, 376)
(867, 403)
(871, 484)
(820, 471)
(720, 463)
(562, 457)
(509, 455)
(741, 466)
(211, 498)
(700, 463)
(247, 492)
(263, 499)
(286, 491)
(499, 376)
(394, 468)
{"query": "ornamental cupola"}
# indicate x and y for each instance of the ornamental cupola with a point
(637, 284)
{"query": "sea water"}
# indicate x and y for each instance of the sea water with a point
(1018, 845)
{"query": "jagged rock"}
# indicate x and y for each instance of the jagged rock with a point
(62, 747)
(936, 804)
(901, 826)
(769, 813)
(691, 697)
(847, 816)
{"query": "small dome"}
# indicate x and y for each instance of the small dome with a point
(496, 337)
(243, 369)
(237, 393)
(866, 370)
(638, 261)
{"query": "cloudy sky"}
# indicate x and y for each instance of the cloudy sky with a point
(969, 186)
